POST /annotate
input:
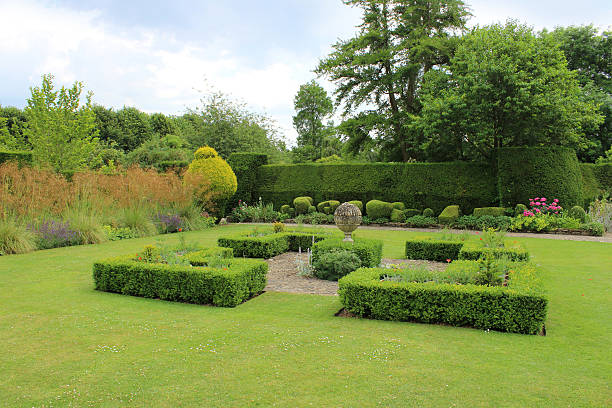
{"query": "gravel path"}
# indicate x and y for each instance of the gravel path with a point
(283, 274)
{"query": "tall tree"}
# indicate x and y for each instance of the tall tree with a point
(589, 53)
(312, 107)
(60, 128)
(504, 87)
(383, 65)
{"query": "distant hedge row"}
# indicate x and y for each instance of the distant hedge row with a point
(517, 175)
(20, 157)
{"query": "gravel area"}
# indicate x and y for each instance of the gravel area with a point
(283, 274)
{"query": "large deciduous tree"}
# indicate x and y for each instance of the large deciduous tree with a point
(382, 67)
(504, 87)
(61, 130)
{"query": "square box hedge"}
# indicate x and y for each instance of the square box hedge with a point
(519, 307)
(431, 249)
(227, 287)
(270, 244)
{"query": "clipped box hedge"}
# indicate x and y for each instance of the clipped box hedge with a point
(271, 244)
(204, 256)
(243, 279)
(433, 250)
(369, 251)
(519, 307)
(473, 251)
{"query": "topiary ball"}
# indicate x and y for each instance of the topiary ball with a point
(428, 212)
(578, 213)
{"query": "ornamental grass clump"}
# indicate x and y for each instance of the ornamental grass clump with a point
(15, 238)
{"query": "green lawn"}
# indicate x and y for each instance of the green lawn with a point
(64, 344)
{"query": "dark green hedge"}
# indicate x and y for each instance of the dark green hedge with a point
(596, 181)
(418, 185)
(20, 157)
(520, 307)
(228, 288)
(245, 167)
(529, 172)
(433, 250)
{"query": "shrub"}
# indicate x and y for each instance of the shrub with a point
(314, 218)
(18, 156)
(578, 213)
(201, 285)
(369, 251)
(357, 204)
(245, 166)
(449, 215)
(433, 250)
(328, 207)
(428, 212)
(399, 206)
(492, 211)
(519, 308)
(594, 228)
(15, 238)
(210, 256)
(302, 205)
(264, 246)
(335, 264)
(398, 215)
(285, 209)
(600, 211)
(278, 227)
(520, 209)
(259, 212)
(118, 233)
(411, 212)
(420, 221)
(312, 209)
(212, 179)
(378, 209)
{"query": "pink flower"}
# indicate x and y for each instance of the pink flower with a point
(538, 210)
(537, 198)
(556, 200)
(543, 198)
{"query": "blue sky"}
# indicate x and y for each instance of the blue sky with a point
(160, 56)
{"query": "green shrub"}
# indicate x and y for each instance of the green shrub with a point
(312, 209)
(519, 308)
(483, 222)
(398, 215)
(212, 179)
(18, 156)
(594, 228)
(433, 250)
(302, 205)
(411, 212)
(328, 207)
(243, 279)
(118, 233)
(420, 221)
(357, 204)
(449, 215)
(578, 213)
(369, 251)
(285, 209)
(472, 251)
(15, 238)
(335, 264)
(492, 211)
(527, 172)
(378, 209)
(428, 212)
(519, 209)
(399, 206)
(206, 256)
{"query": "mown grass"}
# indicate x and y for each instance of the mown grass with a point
(64, 344)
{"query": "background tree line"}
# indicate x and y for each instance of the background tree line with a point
(414, 84)
(66, 131)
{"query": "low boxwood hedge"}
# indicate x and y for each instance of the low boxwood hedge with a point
(227, 287)
(203, 256)
(473, 251)
(433, 250)
(268, 244)
(519, 307)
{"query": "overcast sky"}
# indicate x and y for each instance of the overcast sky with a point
(158, 56)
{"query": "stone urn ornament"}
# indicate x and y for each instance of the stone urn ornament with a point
(347, 217)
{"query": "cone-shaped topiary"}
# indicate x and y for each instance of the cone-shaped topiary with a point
(213, 180)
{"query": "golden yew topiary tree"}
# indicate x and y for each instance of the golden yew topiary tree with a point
(212, 179)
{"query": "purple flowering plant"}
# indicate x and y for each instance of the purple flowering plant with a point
(54, 234)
